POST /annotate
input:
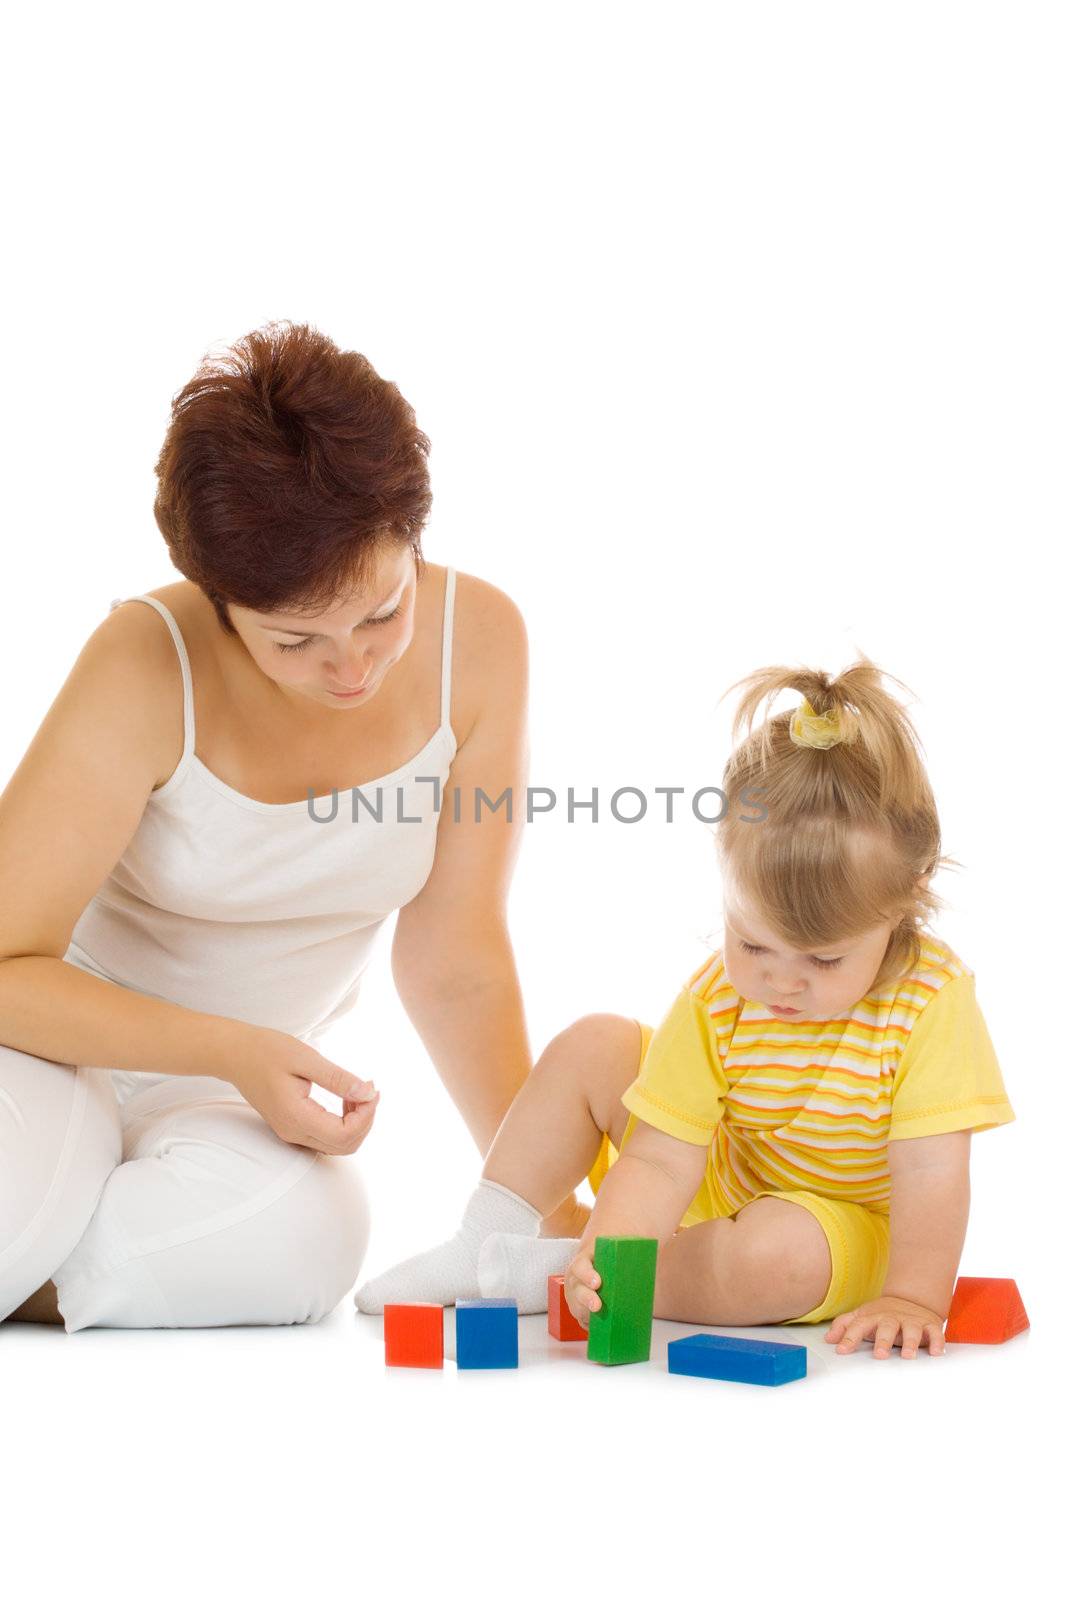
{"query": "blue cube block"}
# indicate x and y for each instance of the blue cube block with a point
(710, 1355)
(487, 1333)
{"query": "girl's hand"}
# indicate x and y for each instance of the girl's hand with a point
(275, 1074)
(888, 1321)
(581, 1283)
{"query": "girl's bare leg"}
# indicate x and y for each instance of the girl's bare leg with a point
(765, 1265)
(544, 1147)
(550, 1138)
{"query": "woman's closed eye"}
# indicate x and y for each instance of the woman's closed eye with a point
(756, 949)
(371, 621)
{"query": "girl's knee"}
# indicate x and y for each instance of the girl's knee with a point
(602, 1046)
(775, 1240)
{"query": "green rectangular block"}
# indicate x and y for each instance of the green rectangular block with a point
(623, 1328)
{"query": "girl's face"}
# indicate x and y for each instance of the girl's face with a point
(351, 647)
(802, 985)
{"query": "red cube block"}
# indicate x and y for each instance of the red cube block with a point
(985, 1311)
(562, 1325)
(415, 1335)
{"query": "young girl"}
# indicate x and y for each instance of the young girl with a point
(796, 1132)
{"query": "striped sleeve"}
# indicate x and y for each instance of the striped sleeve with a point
(680, 1088)
(948, 1078)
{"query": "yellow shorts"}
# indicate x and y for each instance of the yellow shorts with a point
(859, 1238)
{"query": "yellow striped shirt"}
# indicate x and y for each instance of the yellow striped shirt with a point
(812, 1105)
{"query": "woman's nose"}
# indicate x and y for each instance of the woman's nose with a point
(353, 666)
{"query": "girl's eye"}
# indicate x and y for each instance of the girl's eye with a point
(755, 949)
(371, 622)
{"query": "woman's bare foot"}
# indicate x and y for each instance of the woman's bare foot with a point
(42, 1306)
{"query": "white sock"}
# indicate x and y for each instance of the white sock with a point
(515, 1266)
(450, 1271)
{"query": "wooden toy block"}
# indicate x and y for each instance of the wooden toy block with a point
(711, 1355)
(623, 1328)
(415, 1335)
(985, 1311)
(562, 1325)
(487, 1333)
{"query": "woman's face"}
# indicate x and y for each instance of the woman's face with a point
(815, 984)
(351, 647)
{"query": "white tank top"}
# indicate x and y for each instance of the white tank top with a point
(261, 912)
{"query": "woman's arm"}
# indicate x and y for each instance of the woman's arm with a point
(66, 816)
(452, 956)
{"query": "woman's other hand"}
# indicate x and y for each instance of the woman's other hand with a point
(275, 1074)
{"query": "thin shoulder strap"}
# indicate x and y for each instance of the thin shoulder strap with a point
(446, 645)
(183, 658)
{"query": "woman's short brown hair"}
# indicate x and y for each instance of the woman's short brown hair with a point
(286, 465)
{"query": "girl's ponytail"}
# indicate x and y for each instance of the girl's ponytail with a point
(849, 833)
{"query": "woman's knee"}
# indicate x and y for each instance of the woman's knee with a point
(342, 1209)
(60, 1139)
(311, 1244)
(176, 1252)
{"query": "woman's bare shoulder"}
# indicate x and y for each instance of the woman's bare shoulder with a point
(136, 641)
(489, 656)
(487, 616)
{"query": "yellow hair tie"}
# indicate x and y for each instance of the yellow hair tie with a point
(812, 732)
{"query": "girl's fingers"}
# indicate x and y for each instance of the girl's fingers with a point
(936, 1339)
(853, 1336)
(885, 1334)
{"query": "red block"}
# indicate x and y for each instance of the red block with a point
(562, 1325)
(985, 1311)
(415, 1335)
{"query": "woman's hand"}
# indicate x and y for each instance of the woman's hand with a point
(581, 1283)
(275, 1074)
(888, 1321)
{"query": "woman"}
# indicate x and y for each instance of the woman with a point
(217, 815)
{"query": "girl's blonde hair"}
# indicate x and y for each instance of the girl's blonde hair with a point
(849, 833)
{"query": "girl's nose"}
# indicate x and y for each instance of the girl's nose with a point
(787, 995)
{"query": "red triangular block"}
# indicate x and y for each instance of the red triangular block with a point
(985, 1311)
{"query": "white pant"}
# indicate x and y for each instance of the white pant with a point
(159, 1201)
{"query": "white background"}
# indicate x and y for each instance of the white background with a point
(739, 335)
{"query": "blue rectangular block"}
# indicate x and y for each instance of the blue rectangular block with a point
(711, 1355)
(487, 1333)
